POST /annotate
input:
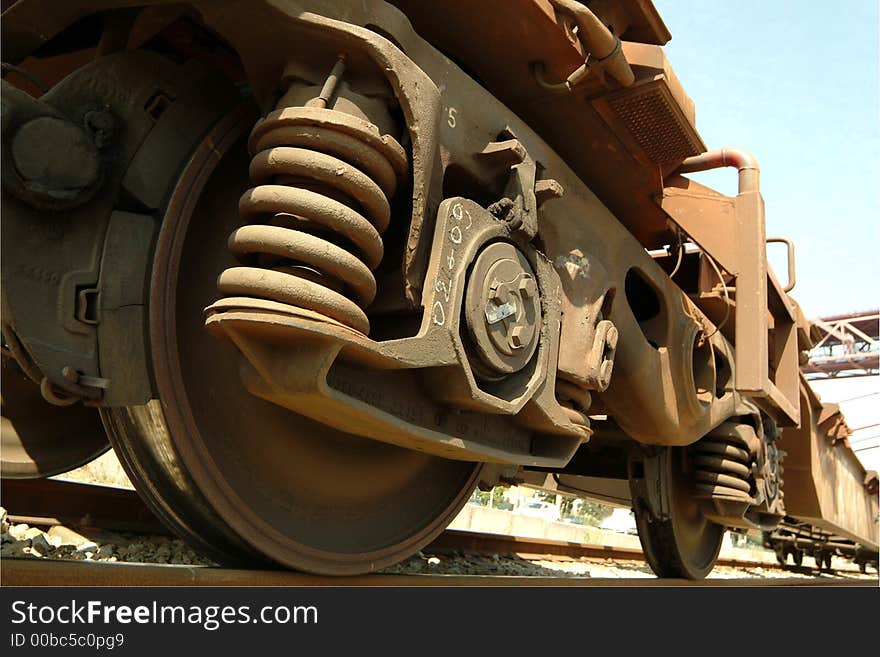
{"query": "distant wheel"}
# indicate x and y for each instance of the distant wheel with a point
(828, 561)
(39, 439)
(819, 558)
(781, 556)
(686, 544)
(863, 567)
(797, 556)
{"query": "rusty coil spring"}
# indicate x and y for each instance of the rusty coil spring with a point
(321, 202)
(723, 462)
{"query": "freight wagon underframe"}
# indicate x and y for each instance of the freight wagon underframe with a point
(323, 267)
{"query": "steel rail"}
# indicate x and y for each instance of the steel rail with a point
(46, 502)
(536, 548)
(58, 502)
(46, 572)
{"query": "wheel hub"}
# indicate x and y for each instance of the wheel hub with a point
(503, 309)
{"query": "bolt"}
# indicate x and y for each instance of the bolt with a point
(494, 293)
(517, 333)
(605, 373)
(70, 374)
(101, 125)
(527, 286)
(611, 337)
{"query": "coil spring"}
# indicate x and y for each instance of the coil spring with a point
(323, 183)
(723, 462)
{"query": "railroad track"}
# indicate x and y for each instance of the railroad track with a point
(47, 572)
(46, 502)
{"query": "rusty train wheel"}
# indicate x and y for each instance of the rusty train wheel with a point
(238, 476)
(686, 544)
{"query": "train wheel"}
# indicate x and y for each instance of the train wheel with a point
(797, 556)
(686, 543)
(239, 477)
(781, 556)
(39, 439)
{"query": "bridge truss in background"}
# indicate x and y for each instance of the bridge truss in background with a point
(847, 345)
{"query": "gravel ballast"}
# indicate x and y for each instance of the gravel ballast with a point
(79, 544)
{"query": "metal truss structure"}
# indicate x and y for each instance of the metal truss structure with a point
(847, 345)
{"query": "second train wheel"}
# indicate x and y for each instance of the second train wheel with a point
(38, 439)
(685, 544)
(239, 477)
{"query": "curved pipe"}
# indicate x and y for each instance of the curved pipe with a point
(601, 44)
(742, 160)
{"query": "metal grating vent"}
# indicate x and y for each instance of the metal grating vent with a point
(653, 119)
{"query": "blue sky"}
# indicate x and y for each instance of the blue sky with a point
(796, 83)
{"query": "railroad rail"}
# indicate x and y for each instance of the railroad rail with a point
(45, 572)
(47, 502)
(50, 502)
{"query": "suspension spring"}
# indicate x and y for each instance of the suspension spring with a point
(324, 179)
(723, 462)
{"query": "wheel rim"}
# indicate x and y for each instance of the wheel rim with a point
(686, 544)
(261, 478)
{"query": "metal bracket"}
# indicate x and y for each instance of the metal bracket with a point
(519, 207)
(600, 361)
(647, 489)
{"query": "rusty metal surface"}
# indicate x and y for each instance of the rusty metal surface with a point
(71, 294)
(270, 490)
(826, 484)
(432, 278)
(638, 364)
(320, 146)
(481, 40)
(767, 354)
